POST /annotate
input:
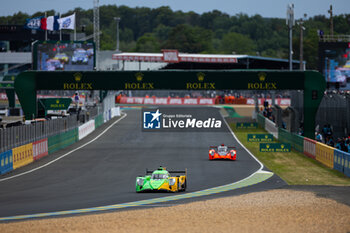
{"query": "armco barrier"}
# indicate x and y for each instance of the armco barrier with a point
(346, 164)
(40, 149)
(6, 164)
(325, 154)
(296, 141)
(62, 140)
(310, 148)
(86, 129)
(22, 155)
(271, 128)
(339, 160)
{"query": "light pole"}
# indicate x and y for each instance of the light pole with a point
(290, 22)
(302, 28)
(117, 19)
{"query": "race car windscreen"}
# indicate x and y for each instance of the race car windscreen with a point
(64, 56)
(222, 149)
(159, 176)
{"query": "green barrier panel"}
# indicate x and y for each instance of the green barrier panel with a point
(62, 140)
(99, 121)
(295, 140)
(261, 121)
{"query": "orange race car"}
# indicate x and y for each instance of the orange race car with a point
(222, 152)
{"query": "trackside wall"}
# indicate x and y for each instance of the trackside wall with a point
(328, 156)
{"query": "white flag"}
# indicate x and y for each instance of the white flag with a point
(67, 22)
(49, 23)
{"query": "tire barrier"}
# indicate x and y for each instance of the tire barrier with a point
(40, 149)
(346, 157)
(65, 130)
(310, 148)
(329, 156)
(62, 140)
(6, 163)
(86, 129)
(325, 154)
(22, 155)
(339, 160)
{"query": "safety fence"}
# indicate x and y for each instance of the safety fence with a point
(38, 146)
(19, 135)
(329, 156)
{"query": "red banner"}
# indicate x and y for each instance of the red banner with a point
(167, 101)
(278, 101)
(40, 149)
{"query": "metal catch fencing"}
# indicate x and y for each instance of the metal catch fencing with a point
(334, 110)
(19, 135)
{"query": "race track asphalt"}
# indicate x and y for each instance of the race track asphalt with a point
(104, 172)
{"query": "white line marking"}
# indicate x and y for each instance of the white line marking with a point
(233, 134)
(55, 160)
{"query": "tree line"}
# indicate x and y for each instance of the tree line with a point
(144, 29)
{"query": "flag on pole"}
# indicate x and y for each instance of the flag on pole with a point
(67, 22)
(43, 23)
(33, 23)
(52, 23)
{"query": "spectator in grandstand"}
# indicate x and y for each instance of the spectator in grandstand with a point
(319, 137)
(338, 145)
(341, 144)
(301, 131)
(330, 141)
(344, 146)
(347, 144)
(76, 99)
(327, 131)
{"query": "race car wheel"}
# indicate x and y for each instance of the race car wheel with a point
(184, 186)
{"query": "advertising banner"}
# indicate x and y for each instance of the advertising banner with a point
(246, 125)
(22, 155)
(167, 101)
(40, 149)
(6, 164)
(259, 137)
(275, 147)
(86, 129)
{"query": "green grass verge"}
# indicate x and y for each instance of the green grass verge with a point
(293, 167)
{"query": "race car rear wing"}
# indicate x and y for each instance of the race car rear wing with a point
(151, 171)
(179, 172)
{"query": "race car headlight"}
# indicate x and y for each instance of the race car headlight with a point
(139, 181)
(233, 153)
(211, 152)
(172, 181)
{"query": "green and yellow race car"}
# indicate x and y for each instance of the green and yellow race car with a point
(161, 180)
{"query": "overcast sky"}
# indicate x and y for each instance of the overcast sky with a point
(265, 8)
